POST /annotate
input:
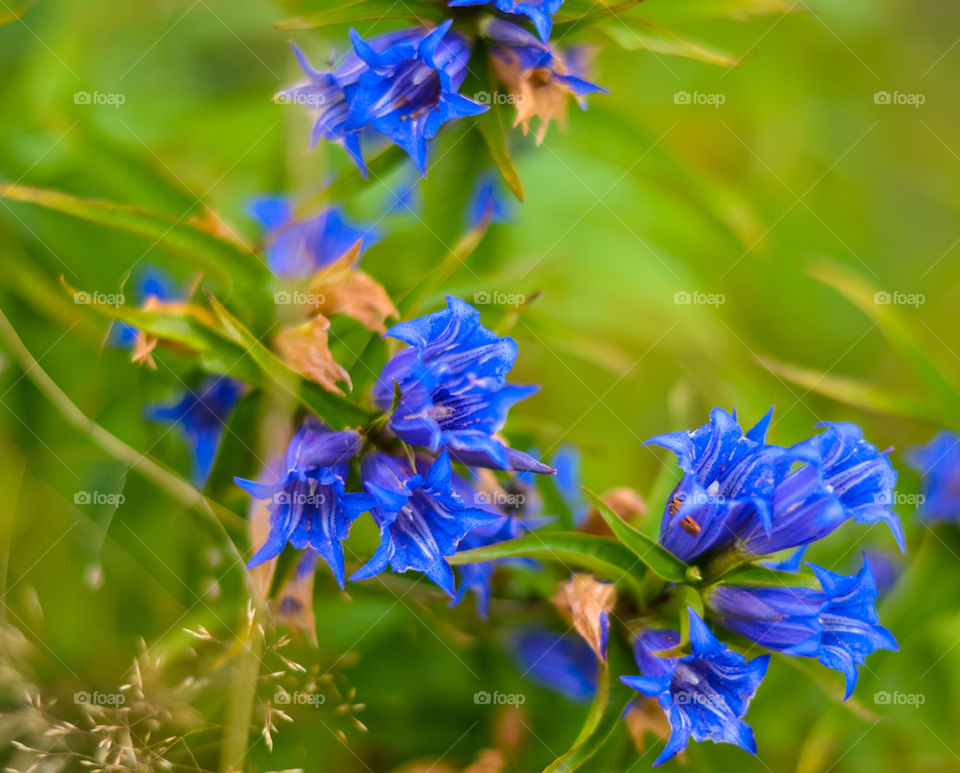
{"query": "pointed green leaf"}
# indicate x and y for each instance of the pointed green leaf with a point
(753, 575)
(655, 556)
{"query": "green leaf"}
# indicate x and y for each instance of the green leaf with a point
(609, 703)
(637, 34)
(853, 391)
(201, 248)
(902, 334)
(753, 575)
(655, 557)
(602, 555)
(689, 598)
(333, 409)
(361, 10)
(493, 129)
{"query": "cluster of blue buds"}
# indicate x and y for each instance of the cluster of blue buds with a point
(444, 399)
(405, 85)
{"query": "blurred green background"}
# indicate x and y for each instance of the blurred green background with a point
(777, 178)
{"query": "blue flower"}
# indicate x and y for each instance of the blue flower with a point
(738, 492)
(938, 463)
(300, 248)
(452, 381)
(152, 283)
(540, 12)
(565, 664)
(704, 694)
(779, 618)
(540, 78)
(202, 415)
(403, 85)
(487, 203)
(849, 619)
(309, 505)
(421, 517)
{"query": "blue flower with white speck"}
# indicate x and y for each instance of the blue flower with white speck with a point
(300, 248)
(562, 663)
(540, 12)
(453, 390)
(309, 504)
(202, 415)
(704, 694)
(422, 518)
(938, 463)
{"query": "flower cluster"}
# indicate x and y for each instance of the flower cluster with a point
(446, 395)
(405, 85)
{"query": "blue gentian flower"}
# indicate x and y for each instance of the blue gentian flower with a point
(540, 12)
(301, 248)
(309, 505)
(938, 463)
(152, 283)
(738, 492)
(779, 618)
(488, 203)
(403, 85)
(452, 381)
(849, 619)
(704, 694)
(540, 78)
(202, 415)
(562, 663)
(422, 518)
(479, 576)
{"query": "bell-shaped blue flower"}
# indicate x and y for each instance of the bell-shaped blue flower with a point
(938, 463)
(301, 248)
(540, 12)
(850, 622)
(422, 518)
(309, 505)
(201, 414)
(562, 663)
(152, 283)
(704, 694)
(488, 203)
(453, 390)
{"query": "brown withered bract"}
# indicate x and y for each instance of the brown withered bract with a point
(586, 602)
(305, 348)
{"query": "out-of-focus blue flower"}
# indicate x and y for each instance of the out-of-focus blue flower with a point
(886, 567)
(565, 664)
(738, 491)
(300, 248)
(422, 518)
(478, 577)
(849, 618)
(778, 618)
(858, 475)
(488, 202)
(938, 463)
(567, 461)
(152, 283)
(540, 12)
(453, 388)
(309, 505)
(540, 78)
(202, 416)
(403, 85)
(704, 694)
